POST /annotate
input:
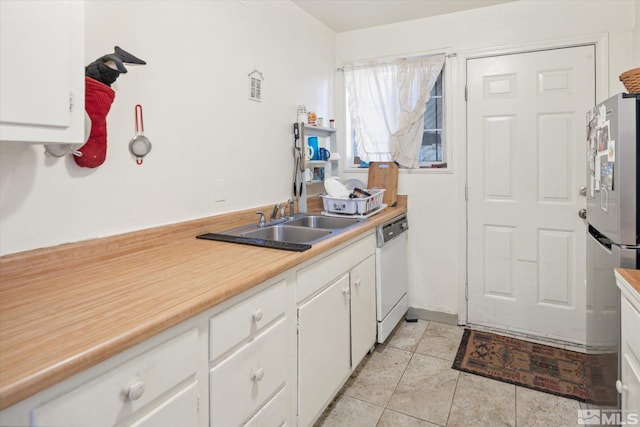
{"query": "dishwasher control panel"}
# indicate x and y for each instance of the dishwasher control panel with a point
(392, 229)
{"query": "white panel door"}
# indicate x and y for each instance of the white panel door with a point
(526, 163)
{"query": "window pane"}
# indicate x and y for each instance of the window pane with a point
(432, 140)
(431, 150)
(431, 113)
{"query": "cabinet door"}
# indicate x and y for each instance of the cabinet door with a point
(630, 372)
(323, 349)
(630, 357)
(42, 72)
(363, 309)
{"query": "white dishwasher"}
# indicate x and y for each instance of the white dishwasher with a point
(392, 278)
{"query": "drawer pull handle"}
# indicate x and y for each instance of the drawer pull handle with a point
(257, 374)
(358, 282)
(136, 390)
(345, 290)
(257, 315)
(621, 387)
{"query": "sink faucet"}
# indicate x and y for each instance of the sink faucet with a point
(261, 221)
(290, 201)
(274, 213)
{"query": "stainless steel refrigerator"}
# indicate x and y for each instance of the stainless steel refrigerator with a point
(612, 239)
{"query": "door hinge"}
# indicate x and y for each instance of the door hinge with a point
(466, 291)
(466, 92)
(71, 101)
(466, 192)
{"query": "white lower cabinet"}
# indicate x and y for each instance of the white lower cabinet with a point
(245, 381)
(243, 362)
(323, 349)
(252, 357)
(336, 323)
(629, 383)
(363, 309)
(158, 385)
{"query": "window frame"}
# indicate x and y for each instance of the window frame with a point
(352, 164)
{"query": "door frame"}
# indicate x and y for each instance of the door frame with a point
(601, 43)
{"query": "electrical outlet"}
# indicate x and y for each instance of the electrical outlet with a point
(220, 190)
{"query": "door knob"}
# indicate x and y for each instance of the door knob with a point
(582, 213)
(583, 191)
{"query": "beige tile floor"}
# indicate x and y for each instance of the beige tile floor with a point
(408, 381)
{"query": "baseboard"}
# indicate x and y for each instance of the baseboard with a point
(435, 316)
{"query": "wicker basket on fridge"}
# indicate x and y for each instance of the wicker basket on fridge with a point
(631, 80)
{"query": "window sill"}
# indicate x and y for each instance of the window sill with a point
(426, 171)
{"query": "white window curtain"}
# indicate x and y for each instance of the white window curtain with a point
(387, 101)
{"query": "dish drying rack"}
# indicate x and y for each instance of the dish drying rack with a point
(361, 206)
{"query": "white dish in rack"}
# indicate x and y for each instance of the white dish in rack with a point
(335, 188)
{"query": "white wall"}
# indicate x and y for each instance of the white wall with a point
(636, 37)
(196, 114)
(437, 215)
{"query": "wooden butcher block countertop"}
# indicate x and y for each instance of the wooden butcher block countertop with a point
(67, 308)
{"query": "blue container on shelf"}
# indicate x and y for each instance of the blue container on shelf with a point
(313, 143)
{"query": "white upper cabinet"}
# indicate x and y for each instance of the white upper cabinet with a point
(42, 71)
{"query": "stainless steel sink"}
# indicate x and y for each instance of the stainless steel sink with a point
(288, 233)
(303, 229)
(324, 222)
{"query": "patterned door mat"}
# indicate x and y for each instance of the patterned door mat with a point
(540, 367)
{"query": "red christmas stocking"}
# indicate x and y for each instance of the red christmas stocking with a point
(98, 100)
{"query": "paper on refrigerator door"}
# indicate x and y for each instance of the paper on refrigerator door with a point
(597, 173)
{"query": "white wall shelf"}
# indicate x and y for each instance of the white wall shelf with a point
(319, 168)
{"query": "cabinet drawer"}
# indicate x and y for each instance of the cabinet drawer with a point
(181, 409)
(243, 382)
(314, 277)
(115, 395)
(274, 413)
(245, 319)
